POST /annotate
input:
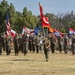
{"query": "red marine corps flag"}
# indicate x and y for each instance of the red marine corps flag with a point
(45, 22)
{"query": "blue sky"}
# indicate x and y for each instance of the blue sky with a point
(49, 6)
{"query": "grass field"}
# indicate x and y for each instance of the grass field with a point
(35, 64)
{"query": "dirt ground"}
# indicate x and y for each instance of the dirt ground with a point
(35, 64)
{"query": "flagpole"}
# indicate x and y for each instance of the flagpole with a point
(47, 31)
(44, 31)
(39, 3)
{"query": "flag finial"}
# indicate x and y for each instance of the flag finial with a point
(39, 3)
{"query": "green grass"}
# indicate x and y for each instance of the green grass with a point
(35, 64)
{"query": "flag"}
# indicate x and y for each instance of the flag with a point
(36, 30)
(24, 30)
(45, 22)
(71, 31)
(31, 31)
(57, 33)
(50, 29)
(13, 33)
(27, 30)
(7, 25)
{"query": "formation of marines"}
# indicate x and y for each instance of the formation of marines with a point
(37, 43)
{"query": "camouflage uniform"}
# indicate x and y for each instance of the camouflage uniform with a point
(46, 48)
(16, 45)
(37, 44)
(25, 44)
(59, 44)
(73, 44)
(30, 43)
(8, 45)
(65, 44)
(1, 43)
(20, 44)
(52, 44)
(41, 42)
(34, 43)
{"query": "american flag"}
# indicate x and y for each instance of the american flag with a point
(7, 26)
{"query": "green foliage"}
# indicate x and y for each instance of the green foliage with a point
(29, 19)
(3, 6)
(17, 20)
(63, 30)
(72, 24)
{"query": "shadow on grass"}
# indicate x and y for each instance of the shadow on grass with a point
(5, 72)
(22, 60)
(28, 60)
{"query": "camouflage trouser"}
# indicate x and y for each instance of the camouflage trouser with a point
(0, 49)
(47, 54)
(38, 48)
(34, 47)
(68, 47)
(8, 49)
(41, 47)
(73, 49)
(65, 48)
(25, 48)
(16, 49)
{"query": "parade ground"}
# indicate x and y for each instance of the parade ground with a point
(35, 64)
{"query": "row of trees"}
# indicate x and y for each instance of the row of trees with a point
(18, 20)
(62, 21)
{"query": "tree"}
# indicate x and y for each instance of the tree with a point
(3, 9)
(29, 20)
